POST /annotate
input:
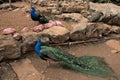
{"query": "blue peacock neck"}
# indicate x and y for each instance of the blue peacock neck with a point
(38, 48)
(32, 10)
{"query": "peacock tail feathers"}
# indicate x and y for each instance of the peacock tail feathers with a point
(94, 65)
(91, 65)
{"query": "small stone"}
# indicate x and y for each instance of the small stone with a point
(25, 29)
(114, 44)
(38, 28)
(8, 31)
(114, 51)
(17, 36)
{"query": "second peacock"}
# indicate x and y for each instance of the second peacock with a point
(91, 65)
(37, 16)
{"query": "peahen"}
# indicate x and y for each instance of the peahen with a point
(36, 16)
(91, 65)
(96, 16)
(105, 1)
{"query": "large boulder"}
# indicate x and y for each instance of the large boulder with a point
(9, 49)
(83, 31)
(72, 17)
(78, 32)
(28, 42)
(57, 34)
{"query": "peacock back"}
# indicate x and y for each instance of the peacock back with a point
(43, 19)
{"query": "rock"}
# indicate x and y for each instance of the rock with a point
(27, 9)
(38, 28)
(25, 70)
(6, 72)
(16, 10)
(78, 32)
(58, 23)
(103, 29)
(42, 3)
(8, 31)
(34, 1)
(113, 20)
(71, 7)
(55, 12)
(114, 51)
(17, 36)
(9, 49)
(114, 45)
(25, 29)
(48, 25)
(8, 0)
(28, 41)
(83, 31)
(57, 34)
(115, 29)
(73, 17)
(53, 23)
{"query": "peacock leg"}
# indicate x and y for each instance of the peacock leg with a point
(69, 45)
(47, 65)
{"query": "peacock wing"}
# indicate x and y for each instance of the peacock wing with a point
(48, 54)
(58, 54)
(43, 19)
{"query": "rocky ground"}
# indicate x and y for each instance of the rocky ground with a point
(30, 67)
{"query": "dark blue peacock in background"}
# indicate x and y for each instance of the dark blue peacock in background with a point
(37, 16)
(91, 65)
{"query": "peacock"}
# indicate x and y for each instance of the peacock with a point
(91, 65)
(96, 16)
(36, 16)
(105, 1)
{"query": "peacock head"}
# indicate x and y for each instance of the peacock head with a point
(32, 8)
(38, 46)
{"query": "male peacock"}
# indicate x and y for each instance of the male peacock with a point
(36, 16)
(86, 64)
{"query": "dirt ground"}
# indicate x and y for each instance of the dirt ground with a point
(19, 19)
(57, 71)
